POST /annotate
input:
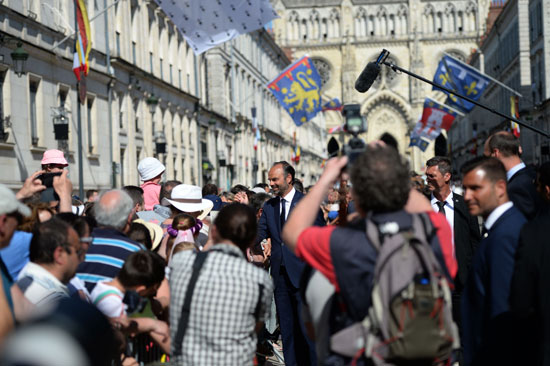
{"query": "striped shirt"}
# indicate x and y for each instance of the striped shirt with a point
(106, 256)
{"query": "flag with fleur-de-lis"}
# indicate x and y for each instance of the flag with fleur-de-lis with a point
(461, 78)
(208, 23)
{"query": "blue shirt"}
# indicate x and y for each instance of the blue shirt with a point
(16, 255)
(106, 256)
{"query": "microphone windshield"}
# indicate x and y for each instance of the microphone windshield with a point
(367, 77)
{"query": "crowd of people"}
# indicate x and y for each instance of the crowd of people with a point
(309, 275)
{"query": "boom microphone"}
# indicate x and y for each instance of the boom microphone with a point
(370, 73)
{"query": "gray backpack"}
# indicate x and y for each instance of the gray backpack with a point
(410, 317)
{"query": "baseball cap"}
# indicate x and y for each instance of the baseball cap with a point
(9, 203)
(54, 156)
(149, 168)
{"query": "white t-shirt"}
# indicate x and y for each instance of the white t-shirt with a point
(108, 300)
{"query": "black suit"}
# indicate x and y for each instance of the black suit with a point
(466, 236)
(522, 191)
(530, 291)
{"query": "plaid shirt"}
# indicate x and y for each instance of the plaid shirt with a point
(222, 320)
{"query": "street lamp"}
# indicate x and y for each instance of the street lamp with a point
(19, 57)
(152, 102)
(160, 142)
(60, 124)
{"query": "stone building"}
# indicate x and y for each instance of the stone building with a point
(147, 95)
(513, 52)
(343, 35)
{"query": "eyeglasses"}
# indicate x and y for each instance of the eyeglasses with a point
(87, 240)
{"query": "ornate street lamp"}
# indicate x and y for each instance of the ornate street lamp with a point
(19, 57)
(152, 102)
(160, 142)
(60, 124)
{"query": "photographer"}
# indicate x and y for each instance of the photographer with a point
(344, 255)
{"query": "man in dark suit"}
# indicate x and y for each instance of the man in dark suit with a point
(530, 291)
(286, 268)
(485, 304)
(505, 147)
(465, 227)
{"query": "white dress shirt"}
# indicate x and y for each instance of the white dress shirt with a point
(449, 213)
(510, 173)
(496, 214)
(288, 200)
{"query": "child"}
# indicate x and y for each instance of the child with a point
(183, 229)
(142, 272)
(150, 171)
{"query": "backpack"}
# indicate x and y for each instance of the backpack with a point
(410, 317)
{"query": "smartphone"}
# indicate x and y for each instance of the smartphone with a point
(48, 194)
(47, 178)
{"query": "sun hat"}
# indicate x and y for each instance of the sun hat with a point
(155, 231)
(188, 198)
(9, 203)
(258, 190)
(150, 168)
(54, 156)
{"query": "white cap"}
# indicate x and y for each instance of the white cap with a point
(258, 190)
(10, 204)
(149, 168)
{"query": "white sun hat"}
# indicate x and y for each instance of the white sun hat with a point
(188, 198)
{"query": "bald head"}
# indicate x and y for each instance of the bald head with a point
(113, 209)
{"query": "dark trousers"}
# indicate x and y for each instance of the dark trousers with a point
(297, 348)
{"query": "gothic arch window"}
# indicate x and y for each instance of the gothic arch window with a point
(402, 21)
(471, 17)
(293, 26)
(303, 29)
(324, 69)
(324, 28)
(361, 23)
(429, 19)
(391, 25)
(370, 25)
(382, 18)
(450, 18)
(460, 21)
(439, 22)
(334, 28)
(314, 24)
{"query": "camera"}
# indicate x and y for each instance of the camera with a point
(354, 124)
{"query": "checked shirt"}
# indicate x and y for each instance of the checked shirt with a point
(225, 300)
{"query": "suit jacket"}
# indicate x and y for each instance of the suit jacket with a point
(269, 226)
(530, 291)
(466, 239)
(522, 191)
(485, 298)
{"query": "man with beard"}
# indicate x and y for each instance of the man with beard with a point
(286, 268)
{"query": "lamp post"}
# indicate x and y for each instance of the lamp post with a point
(19, 57)
(61, 125)
(160, 142)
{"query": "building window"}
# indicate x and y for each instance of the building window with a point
(90, 121)
(179, 79)
(161, 70)
(151, 62)
(122, 153)
(171, 78)
(33, 92)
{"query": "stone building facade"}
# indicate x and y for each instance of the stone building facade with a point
(514, 52)
(343, 35)
(145, 87)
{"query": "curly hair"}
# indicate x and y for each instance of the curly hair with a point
(380, 178)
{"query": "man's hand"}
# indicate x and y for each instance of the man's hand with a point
(64, 188)
(31, 186)
(242, 197)
(333, 170)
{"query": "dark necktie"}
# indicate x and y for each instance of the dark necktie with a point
(283, 212)
(484, 232)
(441, 206)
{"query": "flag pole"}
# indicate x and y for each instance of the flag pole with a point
(396, 68)
(76, 29)
(79, 119)
(484, 74)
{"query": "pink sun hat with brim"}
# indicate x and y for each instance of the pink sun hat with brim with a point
(54, 156)
(188, 198)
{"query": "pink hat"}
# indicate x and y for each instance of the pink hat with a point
(54, 157)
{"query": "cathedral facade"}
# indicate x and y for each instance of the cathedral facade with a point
(342, 36)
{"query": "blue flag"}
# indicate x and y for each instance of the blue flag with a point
(419, 142)
(298, 89)
(333, 105)
(465, 80)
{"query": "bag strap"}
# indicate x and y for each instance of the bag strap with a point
(373, 234)
(186, 308)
